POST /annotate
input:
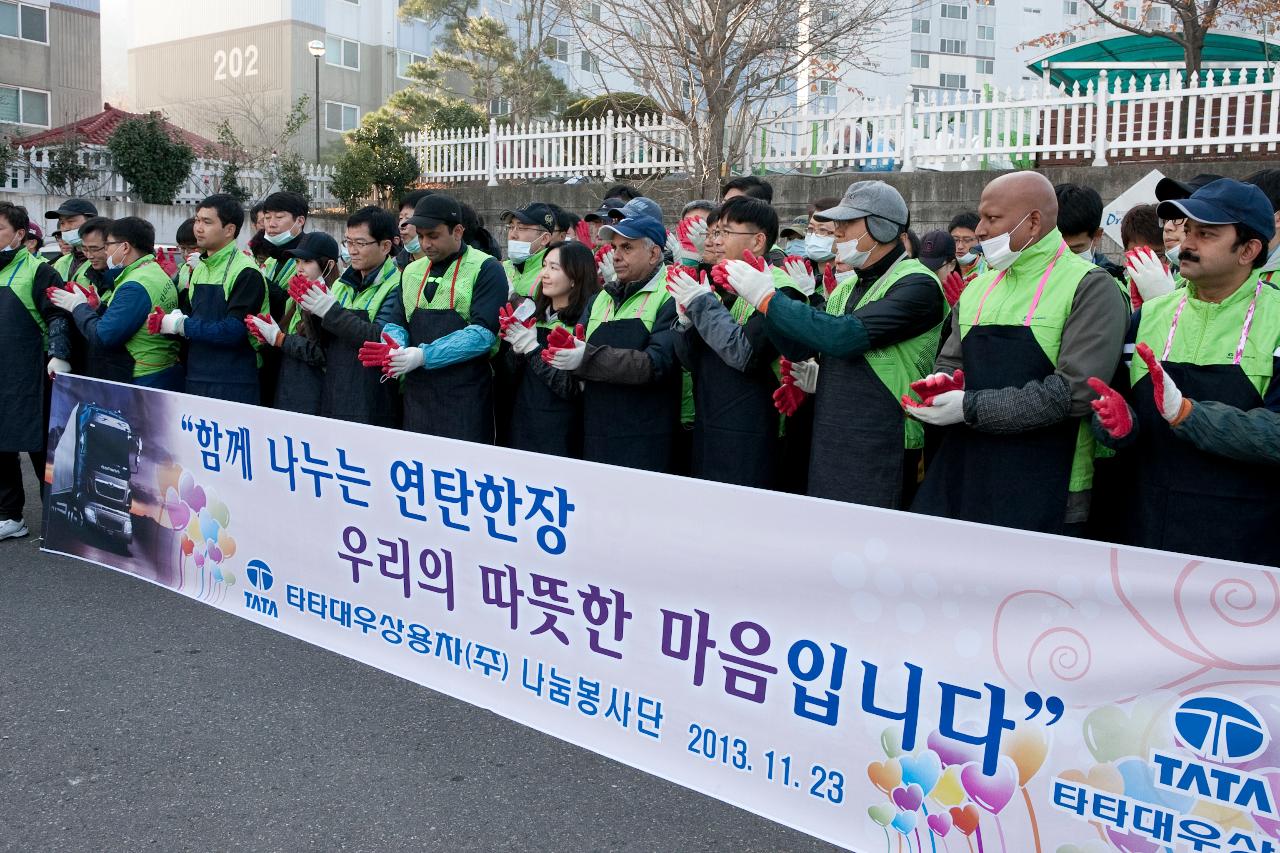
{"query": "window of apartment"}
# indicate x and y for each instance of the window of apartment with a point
(341, 52)
(587, 62)
(952, 81)
(499, 107)
(919, 60)
(1071, 7)
(593, 11)
(686, 90)
(959, 13)
(1030, 11)
(24, 106)
(20, 21)
(404, 59)
(557, 49)
(986, 66)
(1129, 13)
(952, 46)
(986, 33)
(919, 26)
(340, 117)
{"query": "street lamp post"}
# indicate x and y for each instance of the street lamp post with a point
(316, 49)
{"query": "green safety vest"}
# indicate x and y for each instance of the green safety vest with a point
(371, 298)
(20, 277)
(221, 270)
(900, 364)
(456, 284)
(525, 282)
(282, 280)
(1008, 304)
(1209, 332)
(63, 264)
(643, 305)
(150, 353)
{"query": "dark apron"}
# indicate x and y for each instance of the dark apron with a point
(454, 401)
(1200, 503)
(22, 399)
(735, 431)
(1017, 480)
(300, 387)
(858, 436)
(540, 420)
(220, 372)
(630, 425)
(353, 392)
(113, 363)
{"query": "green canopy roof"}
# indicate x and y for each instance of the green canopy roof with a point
(1129, 54)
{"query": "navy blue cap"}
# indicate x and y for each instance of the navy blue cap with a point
(636, 227)
(72, 207)
(314, 245)
(1225, 202)
(602, 213)
(534, 213)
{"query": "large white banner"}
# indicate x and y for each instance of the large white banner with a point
(885, 681)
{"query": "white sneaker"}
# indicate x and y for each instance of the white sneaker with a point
(12, 528)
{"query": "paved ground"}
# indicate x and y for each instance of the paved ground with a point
(133, 719)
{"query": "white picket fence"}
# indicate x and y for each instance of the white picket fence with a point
(1155, 116)
(28, 175)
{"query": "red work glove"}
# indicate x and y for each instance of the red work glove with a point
(952, 287)
(720, 272)
(933, 385)
(1168, 398)
(788, 397)
(253, 328)
(582, 233)
(300, 284)
(154, 319)
(377, 353)
(682, 234)
(829, 283)
(1113, 412)
(560, 339)
(1135, 296)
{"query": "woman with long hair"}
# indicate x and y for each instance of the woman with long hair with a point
(546, 412)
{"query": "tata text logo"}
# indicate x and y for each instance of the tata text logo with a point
(259, 575)
(1220, 731)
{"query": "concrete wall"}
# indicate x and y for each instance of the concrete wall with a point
(933, 197)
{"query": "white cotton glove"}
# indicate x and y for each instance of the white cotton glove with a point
(684, 288)
(673, 244)
(748, 282)
(806, 375)
(569, 358)
(58, 365)
(173, 323)
(405, 360)
(193, 259)
(68, 301)
(317, 301)
(522, 338)
(801, 275)
(268, 329)
(1148, 273)
(947, 409)
(605, 263)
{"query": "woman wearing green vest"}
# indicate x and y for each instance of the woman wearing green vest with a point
(451, 301)
(1203, 418)
(30, 327)
(121, 349)
(302, 358)
(1012, 388)
(546, 405)
(878, 334)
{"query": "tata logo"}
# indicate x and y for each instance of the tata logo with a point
(259, 574)
(1220, 731)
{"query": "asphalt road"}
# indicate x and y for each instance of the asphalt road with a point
(134, 719)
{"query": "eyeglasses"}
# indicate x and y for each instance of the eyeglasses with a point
(360, 244)
(739, 233)
(91, 250)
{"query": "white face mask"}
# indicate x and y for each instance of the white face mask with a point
(848, 253)
(1273, 261)
(1086, 255)
(999, 255)
(281, 238)
(344, 254)
(1172, 254)
(795, 247)
(817, 247)
(112, 263)
(17, 244)
(413, 246)
(193, 259)
(519, 250)
(72, 237)
(842, 277)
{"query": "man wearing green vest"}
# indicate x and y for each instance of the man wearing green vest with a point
(284, 217)
(878, 334)
(226, 287)
(1268, 180)
(71, 214)
(1203, 415)
(120, 347)
(626, 357)
(364, 304)
(529, 230)
(1011, 391)
(451, 301)
(32, 329)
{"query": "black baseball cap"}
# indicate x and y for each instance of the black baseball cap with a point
(936, 249)
(435, 210)
(535, 213)
(314, 246)
(1225, 202)
(72, 207)
(1168, 189)
(602, 213)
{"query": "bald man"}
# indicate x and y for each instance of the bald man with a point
(1010, 392)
